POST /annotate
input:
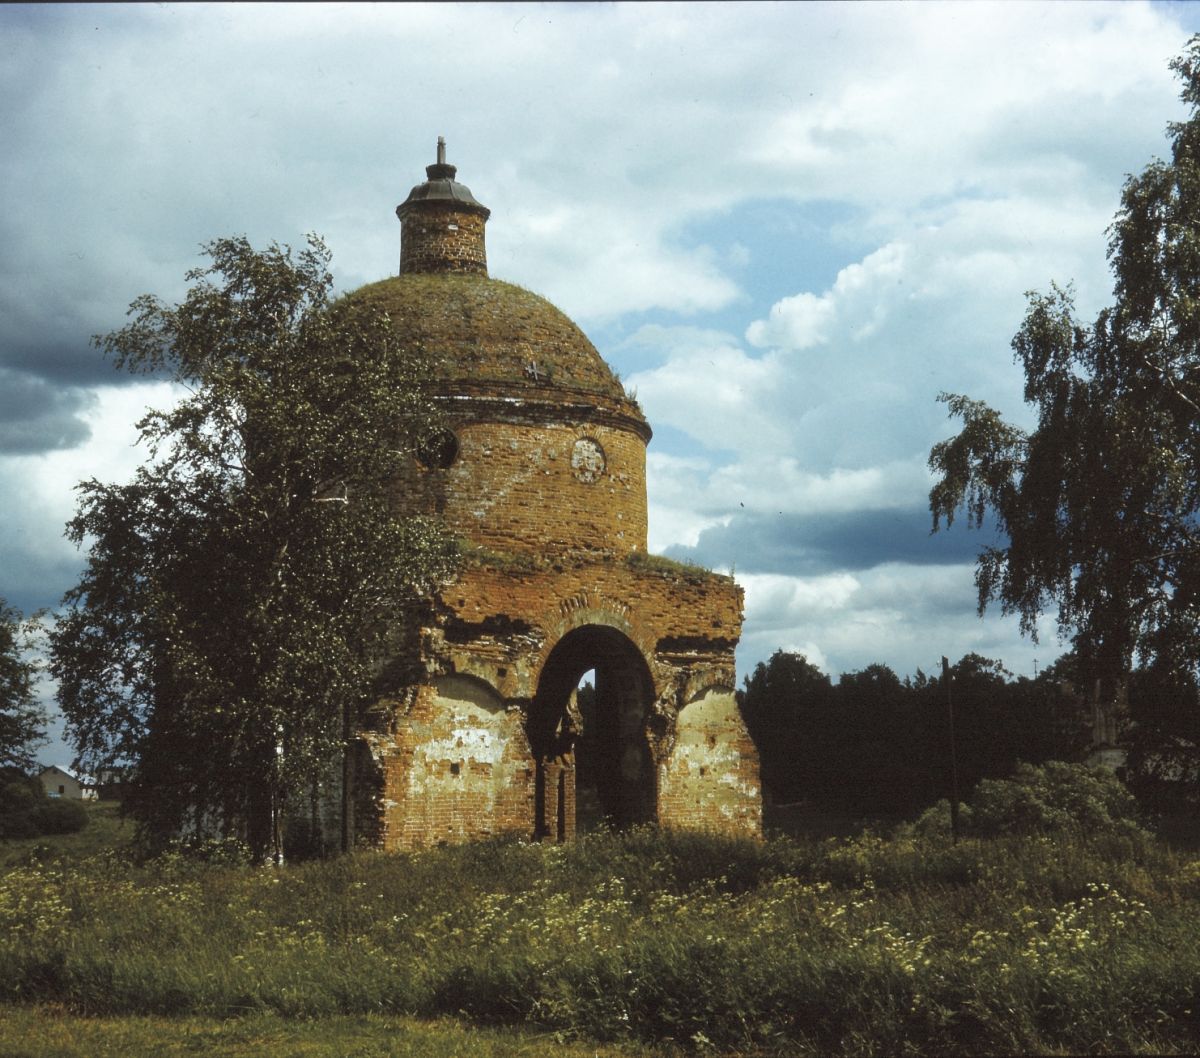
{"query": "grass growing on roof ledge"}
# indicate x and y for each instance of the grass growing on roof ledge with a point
(690, 571)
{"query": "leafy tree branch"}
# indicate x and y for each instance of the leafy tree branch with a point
(231, 623)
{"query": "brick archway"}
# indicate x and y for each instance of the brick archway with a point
(593, 757)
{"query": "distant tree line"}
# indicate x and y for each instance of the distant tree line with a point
(874, 744)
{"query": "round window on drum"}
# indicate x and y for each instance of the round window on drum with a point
(587, 460)
(439, 451)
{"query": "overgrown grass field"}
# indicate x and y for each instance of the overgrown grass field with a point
(106, 831)
(680, 943)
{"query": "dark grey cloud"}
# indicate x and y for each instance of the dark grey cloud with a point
(56, 294)
(808, 545)
(51, 350)
(37, 416)
(41, 586)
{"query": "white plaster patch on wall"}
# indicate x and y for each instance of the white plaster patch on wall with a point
(711, 707)
(464, 733)
(736, 782)
(465, 743)
(724, 758)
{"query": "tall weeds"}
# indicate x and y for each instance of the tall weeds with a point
(842, 946)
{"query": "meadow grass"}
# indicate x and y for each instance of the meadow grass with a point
(40, 1032)
(703, 943)
(106, 830)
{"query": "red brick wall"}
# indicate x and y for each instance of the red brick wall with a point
(683, 622)
(514, 488)
(559, 818)
(498, 625)
(439, 238)
(711, 779)
(455, 773)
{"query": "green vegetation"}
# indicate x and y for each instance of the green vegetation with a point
(22, 719)
(527, 562)
(907, 944)
(689, 571)
(875, 746)
(26, 811)
(53, 1033)
(508, 561)
(225, 634)
(1052, 798)
(106, 831)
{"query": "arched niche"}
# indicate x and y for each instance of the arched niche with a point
(469, 693)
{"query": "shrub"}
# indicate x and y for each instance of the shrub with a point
(222, 852)
(1053, 798)
(17, 801)
(934, 822)
(1050, 798)
(60, 816)
(26, 811)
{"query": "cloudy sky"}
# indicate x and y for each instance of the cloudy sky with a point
(787, 226)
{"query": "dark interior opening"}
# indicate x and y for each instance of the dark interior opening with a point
(593, 735)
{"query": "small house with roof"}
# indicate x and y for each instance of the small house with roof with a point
(60, 781)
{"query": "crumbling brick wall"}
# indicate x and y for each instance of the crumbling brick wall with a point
(517, 486)
(543, 476)
(457, 770)
(711, 775)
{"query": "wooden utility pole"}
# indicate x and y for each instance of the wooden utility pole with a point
(347, 778)
(953, 754)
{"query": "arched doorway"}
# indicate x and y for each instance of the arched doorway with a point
(591, 751)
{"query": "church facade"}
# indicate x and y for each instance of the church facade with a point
(542, 475)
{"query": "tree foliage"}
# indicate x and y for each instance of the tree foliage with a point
(1051, 798)
(1097, 506)
(22, 719)
(782, 701)
(239, 591)
(1164, 744)
(875, 745)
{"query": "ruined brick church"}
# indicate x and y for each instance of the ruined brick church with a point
(542, 474)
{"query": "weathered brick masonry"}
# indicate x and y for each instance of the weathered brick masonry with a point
(543, 476)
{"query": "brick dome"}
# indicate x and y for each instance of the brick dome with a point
(487, 336)
(492, 341)
(543, 451)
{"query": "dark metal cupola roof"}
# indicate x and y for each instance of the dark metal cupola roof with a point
(440, 188)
